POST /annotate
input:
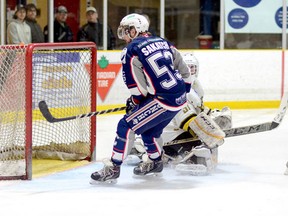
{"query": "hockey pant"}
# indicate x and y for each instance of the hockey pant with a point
(147, 119)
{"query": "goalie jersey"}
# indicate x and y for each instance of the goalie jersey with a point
(152, 67)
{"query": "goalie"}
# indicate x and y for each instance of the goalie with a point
(198, 157)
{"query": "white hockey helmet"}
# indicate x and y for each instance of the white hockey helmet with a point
(192, 62)
(134, 20)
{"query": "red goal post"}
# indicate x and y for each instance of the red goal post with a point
(62, 74)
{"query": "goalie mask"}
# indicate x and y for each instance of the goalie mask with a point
(136, 21)
(192, 63)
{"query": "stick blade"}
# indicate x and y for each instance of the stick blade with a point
(281, 111)
(45, 111)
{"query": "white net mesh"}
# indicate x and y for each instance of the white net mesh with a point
(12, 110)
(62, 78)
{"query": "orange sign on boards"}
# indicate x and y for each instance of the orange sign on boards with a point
(105, 78)
(106, 74)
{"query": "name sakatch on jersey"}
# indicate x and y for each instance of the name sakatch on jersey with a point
(154, 47)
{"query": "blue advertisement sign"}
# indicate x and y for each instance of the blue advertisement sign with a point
(254, 16)
(238, 18)
(279, 17)
(247, 3)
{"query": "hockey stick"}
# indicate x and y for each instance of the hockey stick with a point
(249, 129)
(50, 118)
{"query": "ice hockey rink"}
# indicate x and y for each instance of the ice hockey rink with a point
(248, 180)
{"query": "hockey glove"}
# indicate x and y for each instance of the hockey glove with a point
(188, 87)
(130, 104)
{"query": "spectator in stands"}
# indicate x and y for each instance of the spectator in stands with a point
(36, 31)
(93, 30)
(62, 32)
(18, 31)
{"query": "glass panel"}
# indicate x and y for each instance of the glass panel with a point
(185, 21)
(182, 23)
(253, 24)
(117, 9)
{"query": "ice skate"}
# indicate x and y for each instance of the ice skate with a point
(149, 167)
(197, 162)
(108, 174)
(202, 151)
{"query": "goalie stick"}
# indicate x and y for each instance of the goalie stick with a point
(249, 129)
(50, 118)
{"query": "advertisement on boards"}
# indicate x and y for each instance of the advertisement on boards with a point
(253, 16)
(61, 75)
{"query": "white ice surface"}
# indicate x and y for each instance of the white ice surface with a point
(248, 181)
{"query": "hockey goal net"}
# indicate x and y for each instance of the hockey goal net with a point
(62, 74)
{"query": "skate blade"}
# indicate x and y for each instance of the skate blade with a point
(149, 175)
(107, 182)
(192, 169)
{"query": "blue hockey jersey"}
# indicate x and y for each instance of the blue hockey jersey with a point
(153, 67)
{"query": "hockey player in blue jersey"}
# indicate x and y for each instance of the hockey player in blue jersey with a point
(158, 79)
(184, 155)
